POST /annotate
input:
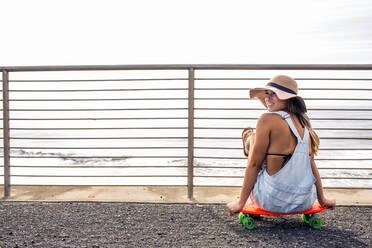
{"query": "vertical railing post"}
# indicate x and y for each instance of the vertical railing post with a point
(6, 134)
(190, 160)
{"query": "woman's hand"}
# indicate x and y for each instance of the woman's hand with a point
(331, 203)
(234, 207)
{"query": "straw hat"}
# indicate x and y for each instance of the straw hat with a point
(285, 87)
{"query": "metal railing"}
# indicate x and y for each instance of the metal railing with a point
(198, 122)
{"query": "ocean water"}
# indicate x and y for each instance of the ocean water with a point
(116, 159)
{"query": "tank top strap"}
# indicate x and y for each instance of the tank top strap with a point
(291, 125)
(294, 129)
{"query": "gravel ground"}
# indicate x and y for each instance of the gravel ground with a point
(82, 224)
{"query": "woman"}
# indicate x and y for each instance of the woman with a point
(281, 175)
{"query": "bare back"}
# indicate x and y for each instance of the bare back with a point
(281, 141)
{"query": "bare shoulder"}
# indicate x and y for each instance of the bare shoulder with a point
(268, 118)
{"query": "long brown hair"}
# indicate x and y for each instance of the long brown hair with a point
(296, 105)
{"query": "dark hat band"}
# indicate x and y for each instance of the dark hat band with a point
(272, 84)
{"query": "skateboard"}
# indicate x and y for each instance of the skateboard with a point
(250, 212)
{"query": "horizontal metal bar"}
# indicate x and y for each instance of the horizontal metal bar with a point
(215, 138)
(180, 147)
(325, 149)
(103, 90)
(96, 128)
(164, 166)
(109, 157)
(92, 138)
(128, 109)
(283, 67)
(201, 128)
(243, 167)
(309, 109)
(98, 166)
(97, 119)
(318, 128)
(94, 68)
(94, 80)
(321, 137)
(201, 157)
(101, 148)
(195, 66)
(222, 148)
(297, 78)
(335, 159)
(307, 99)
(302, 89)
(125, 109)
(255, 118)
(95, 176)
(154, 99)
(338, 178)
(97, 99)
(98, 185)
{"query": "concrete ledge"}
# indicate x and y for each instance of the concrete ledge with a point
(158, 194)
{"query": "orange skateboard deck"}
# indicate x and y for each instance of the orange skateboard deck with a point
(250, 211)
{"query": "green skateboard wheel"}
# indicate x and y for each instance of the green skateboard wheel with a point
(241, 217)
(315, 223)
(249, 223)
(306, 217)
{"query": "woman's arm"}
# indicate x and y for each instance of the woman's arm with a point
(318, 184)
(255, 160)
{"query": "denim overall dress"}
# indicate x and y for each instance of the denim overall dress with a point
(291, 189)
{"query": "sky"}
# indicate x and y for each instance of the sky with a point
(91, 32)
